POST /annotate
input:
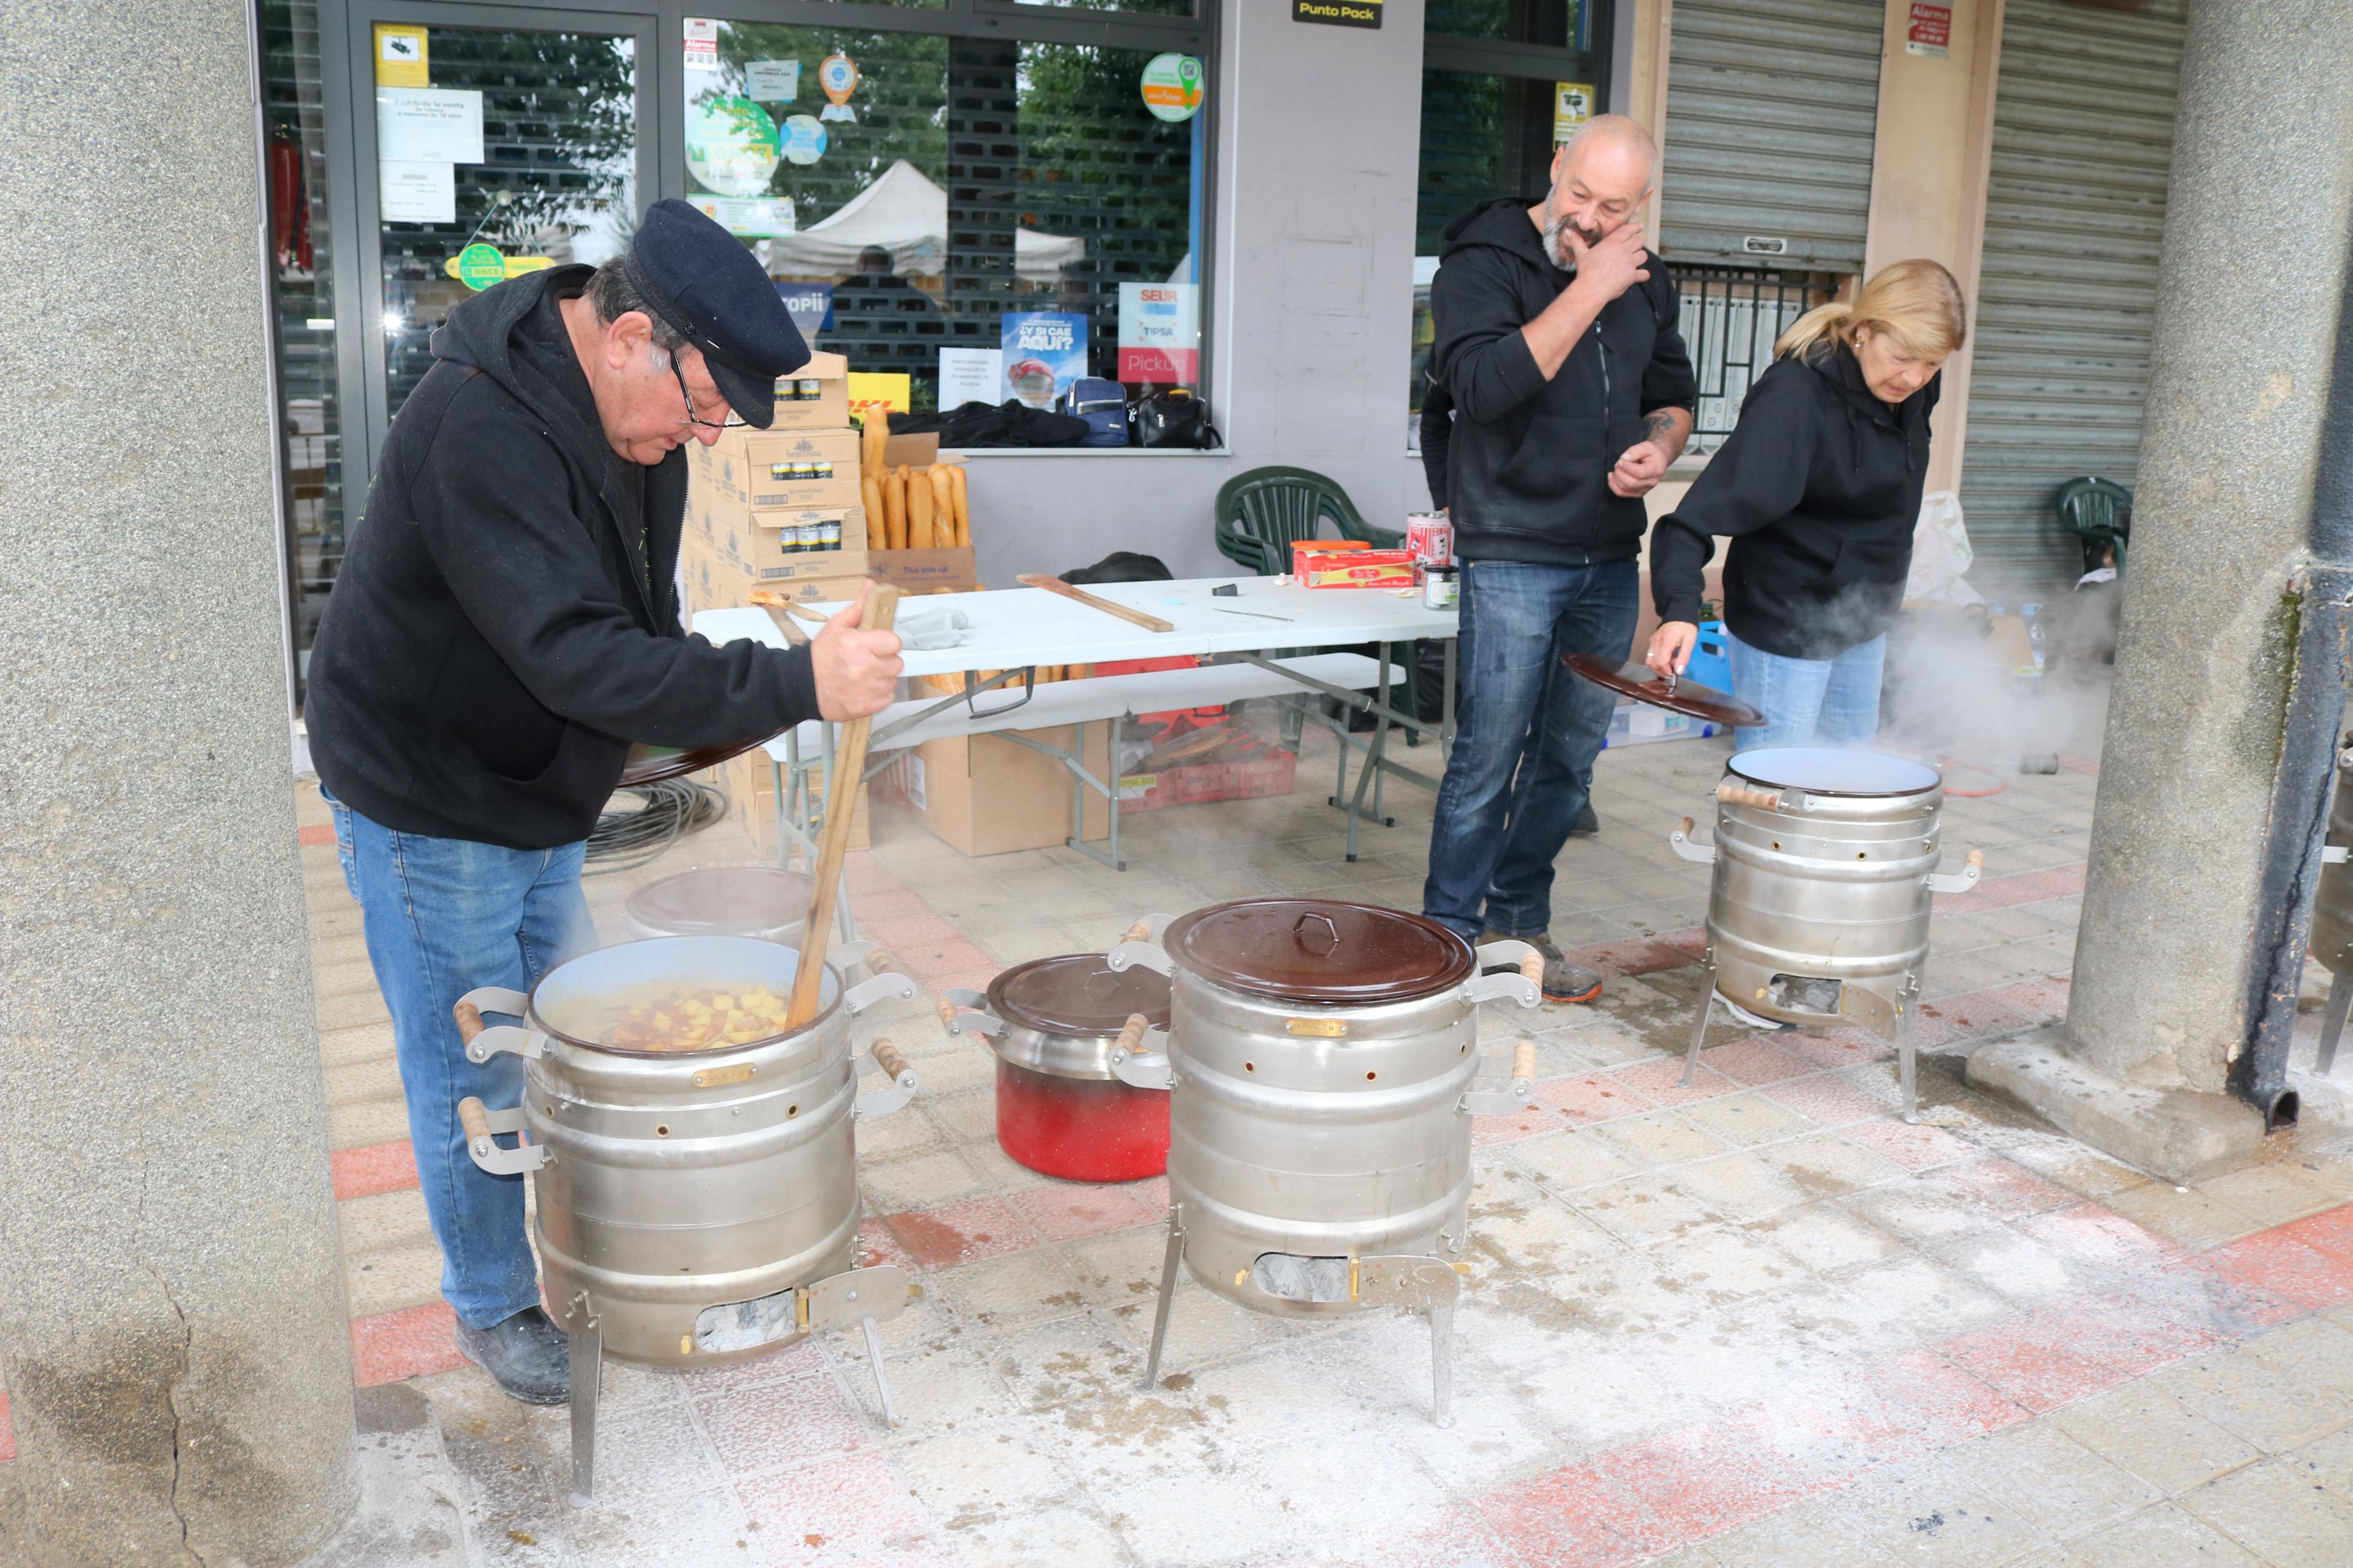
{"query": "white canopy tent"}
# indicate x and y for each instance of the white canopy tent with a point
(906, 214)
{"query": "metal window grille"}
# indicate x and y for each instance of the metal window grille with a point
(1730, 317)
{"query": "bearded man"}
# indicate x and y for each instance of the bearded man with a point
(1556, 336)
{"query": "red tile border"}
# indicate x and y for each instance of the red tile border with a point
(376, 1168)
(2329, 1232)
(412, 1343)
(1573, 1518)
(2282, 1266)
(308, 838)
(7, 1432)
(2035, 1359)
(962, 1233)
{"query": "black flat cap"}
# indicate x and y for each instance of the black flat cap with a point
(703, 282)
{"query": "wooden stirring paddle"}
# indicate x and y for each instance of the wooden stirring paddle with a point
(881, 610)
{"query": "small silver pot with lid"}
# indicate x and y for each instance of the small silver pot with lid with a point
(1056, 1023)
(766, 901)
(1322, 1057)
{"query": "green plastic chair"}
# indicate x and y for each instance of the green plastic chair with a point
(1263, 512)
(2097, 511)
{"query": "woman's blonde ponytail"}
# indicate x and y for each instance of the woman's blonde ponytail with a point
(1916, 302)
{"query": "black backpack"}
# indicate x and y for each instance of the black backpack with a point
(1174, 417)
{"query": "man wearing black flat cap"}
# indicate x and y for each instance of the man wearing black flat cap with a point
(504, 625)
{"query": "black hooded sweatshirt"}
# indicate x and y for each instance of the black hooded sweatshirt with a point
(1818, 488)
(1528, 465)
(504, 623)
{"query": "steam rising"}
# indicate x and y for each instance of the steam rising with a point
(1953, 686)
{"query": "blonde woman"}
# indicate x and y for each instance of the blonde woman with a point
(1819, 490)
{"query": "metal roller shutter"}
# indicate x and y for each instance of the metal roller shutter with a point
(1772, 106)
(2082, 143)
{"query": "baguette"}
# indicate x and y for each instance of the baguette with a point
(944, 528)
(873, 434)
(895, 511)
(871, 489)
(963, 505)
(919, 511)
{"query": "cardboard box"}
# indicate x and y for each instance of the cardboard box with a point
(1301, 548)
(750, 468)
(924, 570)
(1355, 569)
(750, 782)
(982, 794)
(828, 410)
(750, 541)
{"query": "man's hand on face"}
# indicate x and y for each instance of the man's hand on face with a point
(1611, 265)
(857, 670)
(1640, 466)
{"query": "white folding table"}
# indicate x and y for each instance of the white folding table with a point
(1014, 631)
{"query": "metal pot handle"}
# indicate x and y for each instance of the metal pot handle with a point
(482, 1042)
(1503, 1102)
(1147, 928)
(882, 1057)
(956, 1001)
(1149, 954)
(1139, 1057)
(861, 996)
(1513, 987)
(1526, 959)
(481, 1122)
(1680, 841)
(1961, 881)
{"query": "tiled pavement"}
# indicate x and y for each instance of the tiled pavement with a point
(1754, 1322)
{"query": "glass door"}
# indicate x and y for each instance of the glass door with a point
(489, 143)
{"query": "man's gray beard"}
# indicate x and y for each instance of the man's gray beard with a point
(1555, 225)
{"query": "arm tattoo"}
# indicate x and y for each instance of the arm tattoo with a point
(1659, 427)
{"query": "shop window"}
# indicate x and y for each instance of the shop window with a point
(1491, 116)
(910, 192)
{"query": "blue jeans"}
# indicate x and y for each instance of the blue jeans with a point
(1528, 732)
(1809, 701)
(443, 916)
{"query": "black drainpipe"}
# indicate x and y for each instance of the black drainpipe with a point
(2321, 605)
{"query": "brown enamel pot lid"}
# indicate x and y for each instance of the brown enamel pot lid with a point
(1078, 993)
(1319, 951)
(653, 764)
(1644, 684)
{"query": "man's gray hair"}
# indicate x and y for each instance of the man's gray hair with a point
(614, 296)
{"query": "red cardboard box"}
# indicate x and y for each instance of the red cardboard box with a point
(1301, 548)
(1277, 773)
(1357, 569)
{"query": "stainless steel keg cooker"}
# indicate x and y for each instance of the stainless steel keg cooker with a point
(1825, 877)
(1321, 1057)
(693, 1207)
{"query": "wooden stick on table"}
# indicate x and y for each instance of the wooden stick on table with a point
(782, 610)
(1056, 586)
(840, 797)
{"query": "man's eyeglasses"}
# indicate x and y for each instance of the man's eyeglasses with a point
(690, 419)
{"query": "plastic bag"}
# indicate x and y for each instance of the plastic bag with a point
(1941, 553)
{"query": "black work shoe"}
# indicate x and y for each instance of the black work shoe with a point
(1586, 825)
(1563, 981)
(529, 1357)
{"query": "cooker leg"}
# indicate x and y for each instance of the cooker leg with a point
(1441, 1364)
(1905, 1063)
(1699, 1028)
(587, 1364)
(874, 1355)
(1167, 1298)
(2332, 1023)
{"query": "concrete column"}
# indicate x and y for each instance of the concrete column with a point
(2260, 223)
(171, 1319)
